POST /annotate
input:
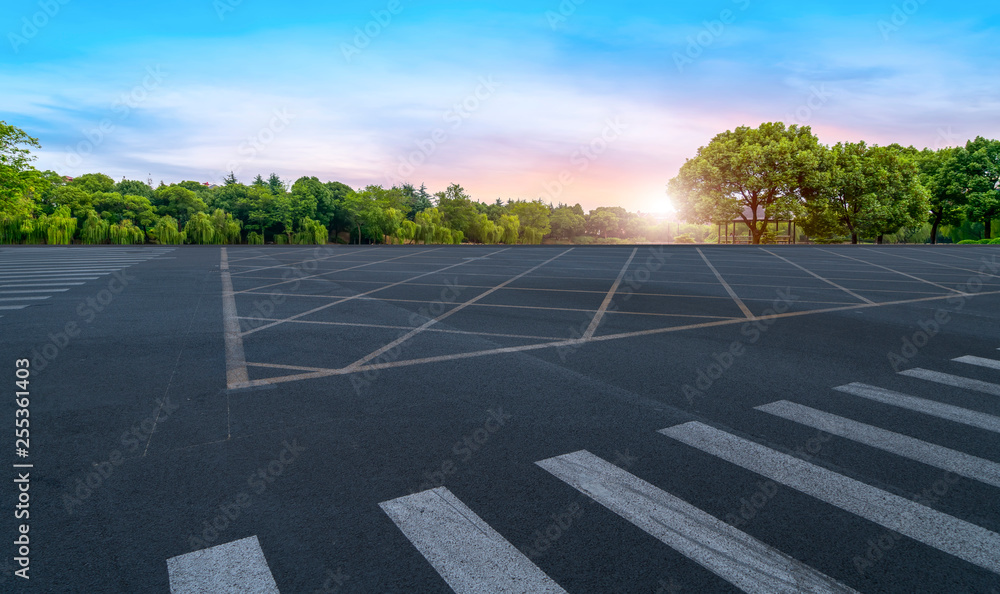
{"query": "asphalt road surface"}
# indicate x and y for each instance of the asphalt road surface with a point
(501, 419)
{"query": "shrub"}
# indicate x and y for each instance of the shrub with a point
(254, 238)
(685, 238)
(968, 242)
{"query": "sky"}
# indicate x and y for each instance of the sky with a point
(574, 101)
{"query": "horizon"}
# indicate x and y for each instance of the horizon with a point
(501, 99)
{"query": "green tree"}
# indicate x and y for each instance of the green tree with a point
(116, 208)
(510, 227)
(132, 187)
(870, 191)
(177, 202)
(457, 208)
(534, 219)
(980, 164)
(566, 224)
(18, 179)
(94, 182)
(946, 192)
(739, 174)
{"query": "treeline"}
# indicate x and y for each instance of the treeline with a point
(849, 191)
(44, 207)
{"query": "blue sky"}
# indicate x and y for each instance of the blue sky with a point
(593, 102)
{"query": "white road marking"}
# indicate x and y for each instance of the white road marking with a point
(448, 313)
(5, 307)
(729, 553)
(577, 342)
(237, 567)
(962, 539)
(830, 282)
(470, 555)
(236, 363)
(953, 380)
(594, 323)
(32, 291)
(746, 311)
(897, 272)
(922, 405)
(352, 297)
(25, 297)
(980, 361)
(24, 285)
(931, 454)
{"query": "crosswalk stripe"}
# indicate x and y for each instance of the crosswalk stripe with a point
(46, 272)
(462, 548)
(962, 539)
(953, 380)
(237, 567)
(902, 445)
(731, 554)
(922, 405)
(980, 361)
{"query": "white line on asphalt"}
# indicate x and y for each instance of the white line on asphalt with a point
(962, 539)
(5, 307)
(921, 405)
(25, 297)
(33, 291)
(897, 272)
(830, 282)
(577, 342)
(953, 380)
(726, 286)
(941, 457)
(731, 554)
(22, 285)
(236, 363)
(980, 361)
(448, 313)
(594, 323)
(237, 567)
(470, 555)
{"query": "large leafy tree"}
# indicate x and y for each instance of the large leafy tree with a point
(566, 223)
(133, 187)
(945, 187)
(94, 182)
(534, 218)
(457, 208)
(748, 172)
(18, 179)
(869, 191)
(979, 164)
(177, 202)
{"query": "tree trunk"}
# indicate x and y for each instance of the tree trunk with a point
(934, 227)
(878, 240)
(854, 239)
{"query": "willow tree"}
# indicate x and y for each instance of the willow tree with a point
(95, 230)
(200, 229)
(748, 172)
(59, 227)
(166, 231)
(510, 227)
(126, 233)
